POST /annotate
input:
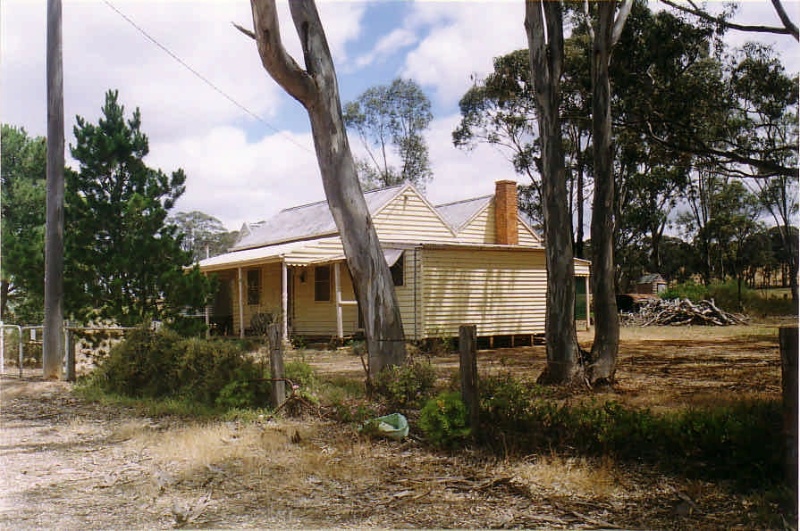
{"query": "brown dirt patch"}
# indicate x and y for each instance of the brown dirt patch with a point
(68, 464)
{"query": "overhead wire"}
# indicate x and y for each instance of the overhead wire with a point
(200, 76)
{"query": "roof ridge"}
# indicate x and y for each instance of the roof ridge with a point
(464, 201)
(297, 207)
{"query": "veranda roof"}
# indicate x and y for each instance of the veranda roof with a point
(302, 253)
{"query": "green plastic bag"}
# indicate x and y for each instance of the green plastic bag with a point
(394, 426)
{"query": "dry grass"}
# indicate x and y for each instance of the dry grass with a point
(570, 476)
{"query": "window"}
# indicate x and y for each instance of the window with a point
(322, 283)
(253, 286)
(397, 271)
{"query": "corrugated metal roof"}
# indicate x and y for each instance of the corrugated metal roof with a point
(308, 221)
(460, 213)
(650, 278)
(247, 257)
(302, 253)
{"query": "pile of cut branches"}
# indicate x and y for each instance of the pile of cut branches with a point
(680, 312)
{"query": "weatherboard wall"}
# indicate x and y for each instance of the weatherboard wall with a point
(408, 217)
(318, 318)
(503, 292)
(483, 230)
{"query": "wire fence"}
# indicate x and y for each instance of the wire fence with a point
(21, 347)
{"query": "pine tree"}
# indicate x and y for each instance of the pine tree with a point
(22, 196)
(124, 260)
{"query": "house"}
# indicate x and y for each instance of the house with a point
(470, 262)
(652, 284)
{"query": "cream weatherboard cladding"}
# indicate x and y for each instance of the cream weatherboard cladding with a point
(481, 229)
(500, 291)
(454, 272)
(408, 217)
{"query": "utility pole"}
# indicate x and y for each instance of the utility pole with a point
(53, 340)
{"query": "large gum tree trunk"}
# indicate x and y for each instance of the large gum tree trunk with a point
(603, 361)
(606, 331)
(317, 89)
(544, 27)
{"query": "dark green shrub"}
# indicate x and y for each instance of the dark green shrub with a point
(300, 373)
(507, 412)
(161, 364)
(144, 365)
(187, 326)
(741, 443)
(406, 386)
(208, 367)
(240, 394)
(686, 290)
(444, 420)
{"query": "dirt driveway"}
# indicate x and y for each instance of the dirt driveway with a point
(67, 464)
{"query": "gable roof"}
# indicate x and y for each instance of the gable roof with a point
(459, 213)
(650, 278)
(309, 221)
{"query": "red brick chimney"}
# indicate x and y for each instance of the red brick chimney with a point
(505, 213)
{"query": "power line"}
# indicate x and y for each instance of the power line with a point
(200, 76)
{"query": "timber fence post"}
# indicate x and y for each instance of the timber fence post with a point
(278, 393)
(468, 364)
(788, 341)
(69, 347)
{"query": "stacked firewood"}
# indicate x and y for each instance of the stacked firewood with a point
(679, 312)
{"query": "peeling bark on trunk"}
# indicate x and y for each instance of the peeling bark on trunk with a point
(317, 89)
(544, 27)
(606, 336)
(603, 360)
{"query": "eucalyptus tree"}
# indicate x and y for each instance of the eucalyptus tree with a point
(766, 98)
(544, 26)
(651, 175)
(725, 20)
(316, 88)
(500, 110)
(392, 118)
(722, 215)
(605, 24)
(202, 235)
(778, 195)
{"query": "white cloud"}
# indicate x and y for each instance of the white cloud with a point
(231, 174)
(462, 40)
(391, 44)
(235, 180)
(460, 174)
(104, 51)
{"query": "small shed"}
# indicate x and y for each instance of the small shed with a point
(651, 284)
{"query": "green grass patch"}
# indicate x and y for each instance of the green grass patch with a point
(147, 407)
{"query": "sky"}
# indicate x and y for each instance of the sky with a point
(209, 107)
